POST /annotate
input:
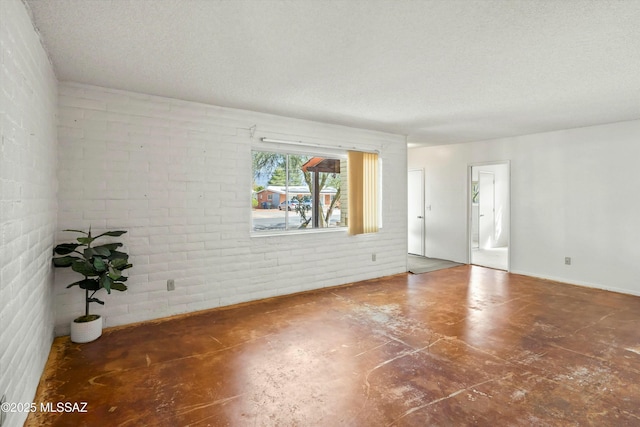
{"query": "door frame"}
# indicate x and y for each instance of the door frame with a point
(507, 163)
(422, 206)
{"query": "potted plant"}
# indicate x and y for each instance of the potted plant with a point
(102, 268)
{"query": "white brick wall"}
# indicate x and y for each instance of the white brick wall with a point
(28, 92)
(177, 176)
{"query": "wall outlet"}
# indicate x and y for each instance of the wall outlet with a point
(171, 285)
(373, 257)
(567, 260)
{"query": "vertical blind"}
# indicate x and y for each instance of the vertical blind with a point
(363, 192)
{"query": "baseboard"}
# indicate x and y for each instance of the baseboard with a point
(578, 283)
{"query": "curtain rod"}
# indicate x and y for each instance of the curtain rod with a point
(310, 144)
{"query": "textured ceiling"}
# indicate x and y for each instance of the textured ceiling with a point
(437, 71)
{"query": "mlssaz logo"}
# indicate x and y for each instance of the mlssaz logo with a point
(64, 407)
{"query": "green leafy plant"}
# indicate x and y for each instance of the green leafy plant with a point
(101, 266)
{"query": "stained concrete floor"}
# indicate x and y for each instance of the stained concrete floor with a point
(461, 346)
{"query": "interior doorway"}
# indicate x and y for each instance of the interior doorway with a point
(486, 209)
(415, 210)
(489, 214)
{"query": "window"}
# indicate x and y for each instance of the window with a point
(298, 191)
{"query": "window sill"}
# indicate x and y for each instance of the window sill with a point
(296, 232)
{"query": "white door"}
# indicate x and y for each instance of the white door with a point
(416, 212)
(486, 222)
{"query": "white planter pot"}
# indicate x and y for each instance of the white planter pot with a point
(82, 332)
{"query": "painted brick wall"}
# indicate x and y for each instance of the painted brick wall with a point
(28, 97)
(177, 176)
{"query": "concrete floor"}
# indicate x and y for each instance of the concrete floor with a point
(462, 346)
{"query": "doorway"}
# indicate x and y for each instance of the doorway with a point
(486, 209)
(415, 212)
(489, 214)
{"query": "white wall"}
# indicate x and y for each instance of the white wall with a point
(573, 193)
(177, 176)
(27, 205)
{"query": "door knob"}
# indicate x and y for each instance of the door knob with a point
(420, 217)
